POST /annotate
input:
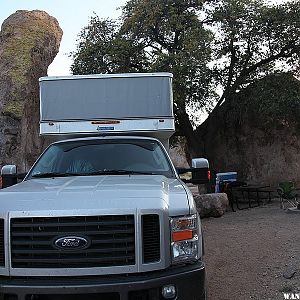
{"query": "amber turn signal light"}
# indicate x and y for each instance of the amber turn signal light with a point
(182, 235)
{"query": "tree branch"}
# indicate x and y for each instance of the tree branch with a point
(249, 54)
(230, 73)
(159, 39)
(282, 53)
(291, 47)
(176, 39)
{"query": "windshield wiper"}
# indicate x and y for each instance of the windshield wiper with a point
(54, 174)
(118, 172)
(99, 172)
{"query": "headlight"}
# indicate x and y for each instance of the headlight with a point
(185, 239)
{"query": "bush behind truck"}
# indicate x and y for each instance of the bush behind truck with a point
(103, 214)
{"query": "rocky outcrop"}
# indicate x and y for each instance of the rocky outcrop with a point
(257, 133)
(29, 41)
(211, 205)
(178, 152)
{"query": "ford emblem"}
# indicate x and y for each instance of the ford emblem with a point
(71, 243)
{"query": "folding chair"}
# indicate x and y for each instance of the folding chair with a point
(287, 193)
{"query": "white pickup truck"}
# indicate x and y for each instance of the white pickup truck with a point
(102, 214)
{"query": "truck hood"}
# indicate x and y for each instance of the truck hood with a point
(107, 193)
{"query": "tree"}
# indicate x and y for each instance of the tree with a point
(101, 49)
(224, 44)
(253, 40)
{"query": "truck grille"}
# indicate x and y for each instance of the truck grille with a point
(111, 241)
(2, 251)
(151, 238)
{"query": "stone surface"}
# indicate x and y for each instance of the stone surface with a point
(178, 152)
(289, 273)
(29, 41)
(211, 205)
(293, 210)
(263, 147)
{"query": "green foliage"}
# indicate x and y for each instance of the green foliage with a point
(276, 97)
(102, 49)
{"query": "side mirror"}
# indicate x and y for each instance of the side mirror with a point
(198, 174)
(9, 170)
(200, 171)
(8, 175)
(200, 163)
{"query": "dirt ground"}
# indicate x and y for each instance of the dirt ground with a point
(249, 253)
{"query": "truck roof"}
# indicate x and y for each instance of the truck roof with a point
(98, 76)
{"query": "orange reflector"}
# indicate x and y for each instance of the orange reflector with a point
(182, 235)
(105, 122)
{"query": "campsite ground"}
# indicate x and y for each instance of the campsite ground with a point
(249, 253)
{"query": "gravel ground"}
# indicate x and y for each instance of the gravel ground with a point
(249, 253)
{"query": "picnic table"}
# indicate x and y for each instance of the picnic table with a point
(247, 193)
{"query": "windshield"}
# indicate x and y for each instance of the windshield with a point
(98, 157)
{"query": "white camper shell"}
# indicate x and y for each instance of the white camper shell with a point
(107, 104)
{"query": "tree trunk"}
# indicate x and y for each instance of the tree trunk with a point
(194, 144)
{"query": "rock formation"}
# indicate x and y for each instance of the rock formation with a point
(29, 41)
(178, 150)
(211, 205)
(257, 133)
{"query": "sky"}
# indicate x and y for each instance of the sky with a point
(72, 16)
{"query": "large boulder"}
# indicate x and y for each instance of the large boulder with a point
(211, 205)
(256, 133)
(178, 152)
(29, 41)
